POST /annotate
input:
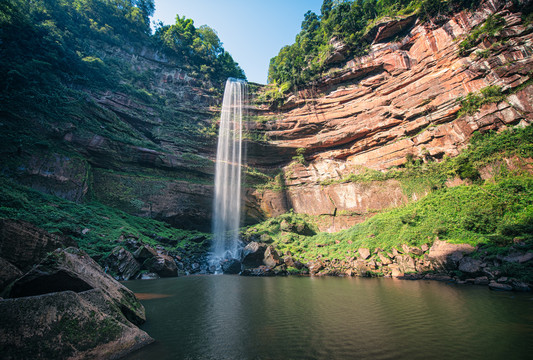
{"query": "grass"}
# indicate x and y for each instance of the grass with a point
(106, 224)
(494, 213)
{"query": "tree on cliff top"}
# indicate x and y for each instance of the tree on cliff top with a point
(347, 21)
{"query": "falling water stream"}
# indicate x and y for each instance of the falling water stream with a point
(227, 202)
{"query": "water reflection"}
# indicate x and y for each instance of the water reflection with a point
(231, 317)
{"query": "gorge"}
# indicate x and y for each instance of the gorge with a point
(400, 148)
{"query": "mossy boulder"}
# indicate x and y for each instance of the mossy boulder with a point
(72, 269)
(60, 325)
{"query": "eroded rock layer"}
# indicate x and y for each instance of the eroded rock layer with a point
(401, 100)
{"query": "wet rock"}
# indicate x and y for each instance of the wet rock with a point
(446, 255)
(364, 253)
(253, 254)
(73, 270)
(148, 276)
(231, 266)
(520, 286)
(481, 280)
(85, 325)
(24, 244)
(261, 270)
(163, 265)
(8, 273)
(122, 263)
(493, 285)
(437, 277)
(271, 258)
(156, 261)
(469, 265)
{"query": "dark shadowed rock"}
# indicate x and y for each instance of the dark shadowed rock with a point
(122, 263)
(8, 273)
(156, 261)
(72, 269)
(520, 286)
(261, 270)
(315, 266)
(446, 255)
(493, 285)
(24, 244)
(481, 280)
(86, 325)
(271, 258)
(253, 254)
(163, 265)
(469, 265)
(144, 253)
(231, 266)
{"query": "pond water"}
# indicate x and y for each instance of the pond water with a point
(233, 317)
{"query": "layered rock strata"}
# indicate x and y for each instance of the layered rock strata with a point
(401, 100)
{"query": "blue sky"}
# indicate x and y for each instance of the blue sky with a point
(252, 31)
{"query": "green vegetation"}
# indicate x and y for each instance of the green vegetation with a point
(496, 212)
(348, 22)
(105, 225)
(488, 29)
(473, 101)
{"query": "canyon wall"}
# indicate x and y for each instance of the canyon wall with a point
(401, 101)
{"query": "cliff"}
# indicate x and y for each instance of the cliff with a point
(410, 98)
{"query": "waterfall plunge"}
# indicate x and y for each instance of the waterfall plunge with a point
(227, 203)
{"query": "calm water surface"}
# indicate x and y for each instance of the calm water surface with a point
(233, 317)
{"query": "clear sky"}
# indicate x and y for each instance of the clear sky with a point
(252, 31)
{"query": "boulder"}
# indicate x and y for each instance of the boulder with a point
(384, 260)
(315, 266)
(446, 256)
(158, 262)
(395, 270)
(144, 253)
(520, 286)
(122, 263)
(24, 244)
(72, 269)
(85, 325)
(469, 265)
(163, 265)
(406, 263)
(253, 254)
(8, 273)
(231, 266)
(364, 252)
(517, 257)
(493, 285)
(271, 258)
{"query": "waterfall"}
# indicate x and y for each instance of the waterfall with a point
(227, 202)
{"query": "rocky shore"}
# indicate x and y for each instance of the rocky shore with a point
(442, 261)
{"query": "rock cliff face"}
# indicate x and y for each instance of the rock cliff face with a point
(129, 141)
(401, 100)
